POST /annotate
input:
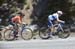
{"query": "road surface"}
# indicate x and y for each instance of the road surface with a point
(56, 43)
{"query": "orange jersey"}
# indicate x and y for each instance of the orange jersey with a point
(17, 19)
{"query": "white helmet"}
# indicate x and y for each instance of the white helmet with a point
(60, 12)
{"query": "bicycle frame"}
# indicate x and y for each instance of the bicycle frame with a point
(23, 27)
(59, 27)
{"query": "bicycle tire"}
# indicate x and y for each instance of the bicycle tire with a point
(44, 34)
(25, 34)
(64, 34)
(10, 34)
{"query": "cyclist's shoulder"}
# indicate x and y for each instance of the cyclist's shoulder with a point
(17, 16)
(55, 14)
(50, 15)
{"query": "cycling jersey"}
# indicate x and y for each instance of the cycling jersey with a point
(17, 19)
(52, 18)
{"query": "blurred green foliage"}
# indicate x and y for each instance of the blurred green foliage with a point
(1, 1)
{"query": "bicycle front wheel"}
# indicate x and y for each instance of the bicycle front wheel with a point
(64, 34)
(44, 34)
(8, 34)
(26, 34)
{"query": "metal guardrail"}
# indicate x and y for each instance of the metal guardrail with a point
(68, 43)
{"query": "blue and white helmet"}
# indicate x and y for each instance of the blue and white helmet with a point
(60, 12)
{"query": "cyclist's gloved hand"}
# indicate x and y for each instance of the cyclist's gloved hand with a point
(24, 23)
(63, 21)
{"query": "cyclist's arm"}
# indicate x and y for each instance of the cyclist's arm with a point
(14, 18)
(20, 20)
(59, 20)
(17, 19)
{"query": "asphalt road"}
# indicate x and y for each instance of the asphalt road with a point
(68, 43)
(56, 43)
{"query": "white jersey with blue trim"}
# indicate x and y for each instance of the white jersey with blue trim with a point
(53, 16)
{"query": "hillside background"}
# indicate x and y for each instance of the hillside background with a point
(37, 11)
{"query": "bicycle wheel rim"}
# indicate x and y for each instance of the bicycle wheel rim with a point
(63, 34)
(44, 34)
(8, 36)
(26, 34)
